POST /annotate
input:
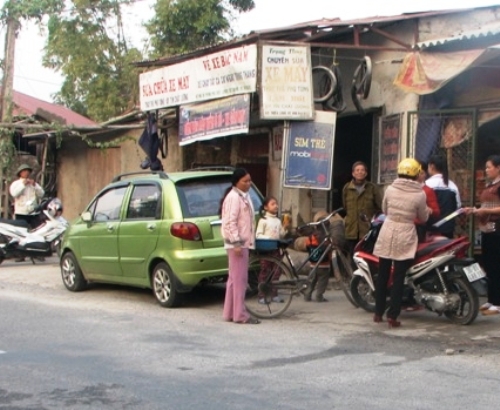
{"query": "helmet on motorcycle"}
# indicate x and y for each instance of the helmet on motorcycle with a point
(54, 207)
(409, 167)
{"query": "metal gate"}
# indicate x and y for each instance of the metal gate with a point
(451, 133)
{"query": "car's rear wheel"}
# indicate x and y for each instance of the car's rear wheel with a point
(71, 273)
(163, 284)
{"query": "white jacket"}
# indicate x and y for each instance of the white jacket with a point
(270, 227)
(26, 197)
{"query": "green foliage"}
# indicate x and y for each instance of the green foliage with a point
(7, 148)
(180, 26)
(86, 44)
(114, 143)
(99, 79)
(30, 9)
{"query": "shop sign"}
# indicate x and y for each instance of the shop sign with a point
(286, 83)
(277, 135)
(212, 119)
(308, 159)
(389, 148)
(221, 74)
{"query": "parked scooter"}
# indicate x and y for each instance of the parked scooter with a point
(19, 241)
(440, 278)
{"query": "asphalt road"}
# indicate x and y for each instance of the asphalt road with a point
(115, 348)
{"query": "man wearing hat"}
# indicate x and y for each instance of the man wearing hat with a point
(27, 194)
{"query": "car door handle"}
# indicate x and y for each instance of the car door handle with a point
(110, 228)
(151, 227)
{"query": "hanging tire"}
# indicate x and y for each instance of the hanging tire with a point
(361, 83)
(71, 273)
(363, 294)
(467, 309)
(326, 80)
(163, 283)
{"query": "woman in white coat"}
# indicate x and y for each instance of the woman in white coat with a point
(404, 202)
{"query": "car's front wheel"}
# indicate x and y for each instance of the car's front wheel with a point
(163, 284)
(71, 273)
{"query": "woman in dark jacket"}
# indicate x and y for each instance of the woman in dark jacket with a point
(488, 217)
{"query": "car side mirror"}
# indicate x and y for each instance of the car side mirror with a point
(86, 216)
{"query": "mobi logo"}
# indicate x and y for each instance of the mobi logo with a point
(302, 154)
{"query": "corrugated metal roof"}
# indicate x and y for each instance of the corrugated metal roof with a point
(339, 26)
(27, 105)
(482, 32)
(337, 22)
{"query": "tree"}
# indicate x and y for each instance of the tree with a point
(180, 26)
(86, 44)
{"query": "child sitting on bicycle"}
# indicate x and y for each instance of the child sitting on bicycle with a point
(269, 226)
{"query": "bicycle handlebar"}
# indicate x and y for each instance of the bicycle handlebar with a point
(321, 221)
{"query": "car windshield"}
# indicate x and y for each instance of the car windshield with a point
(202, 197)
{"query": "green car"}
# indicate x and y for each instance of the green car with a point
(151, 230)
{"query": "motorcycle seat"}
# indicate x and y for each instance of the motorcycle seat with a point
(21, 223)
(428, 247)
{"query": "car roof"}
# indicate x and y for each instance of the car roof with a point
(148, 176)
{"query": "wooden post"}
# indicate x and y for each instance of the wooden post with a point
(6, 101)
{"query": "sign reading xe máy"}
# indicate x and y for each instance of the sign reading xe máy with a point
(216, 75)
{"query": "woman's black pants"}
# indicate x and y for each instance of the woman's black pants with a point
(398, 281)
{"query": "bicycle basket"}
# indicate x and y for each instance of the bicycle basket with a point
(266, 245)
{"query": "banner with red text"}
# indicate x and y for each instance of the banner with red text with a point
(221, 74)
(212, 119)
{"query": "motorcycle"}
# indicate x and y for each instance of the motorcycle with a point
(19, 241)
(442, 278)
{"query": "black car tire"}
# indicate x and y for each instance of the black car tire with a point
(71, 273)
(163, 283)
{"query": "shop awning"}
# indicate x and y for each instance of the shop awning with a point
(425, 72)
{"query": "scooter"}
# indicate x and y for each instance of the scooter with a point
(19, 241)
(440, 279)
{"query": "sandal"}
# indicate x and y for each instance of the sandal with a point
(485, 306)
(250, 321)
(492, 310)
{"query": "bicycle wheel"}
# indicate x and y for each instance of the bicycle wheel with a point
(343, 271)
(270, 298)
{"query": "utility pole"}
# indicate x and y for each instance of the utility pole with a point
(6, 100)
(8, 69)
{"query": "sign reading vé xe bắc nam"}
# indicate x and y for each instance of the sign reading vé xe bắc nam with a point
(286, 82)
(221, 74)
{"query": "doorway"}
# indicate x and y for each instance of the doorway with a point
(353, 142)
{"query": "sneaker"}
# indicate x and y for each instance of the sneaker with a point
(485, 306)
(262, 301)
(492, 310)
(278, 299)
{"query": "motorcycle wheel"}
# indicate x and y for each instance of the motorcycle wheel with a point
(362, 294)
(468, 309)
(346, 276)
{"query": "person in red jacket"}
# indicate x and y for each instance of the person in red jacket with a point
(430, 194)
(431, 201)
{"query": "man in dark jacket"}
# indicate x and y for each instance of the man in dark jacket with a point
(361, 200)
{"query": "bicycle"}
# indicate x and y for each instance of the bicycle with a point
(279, 281)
